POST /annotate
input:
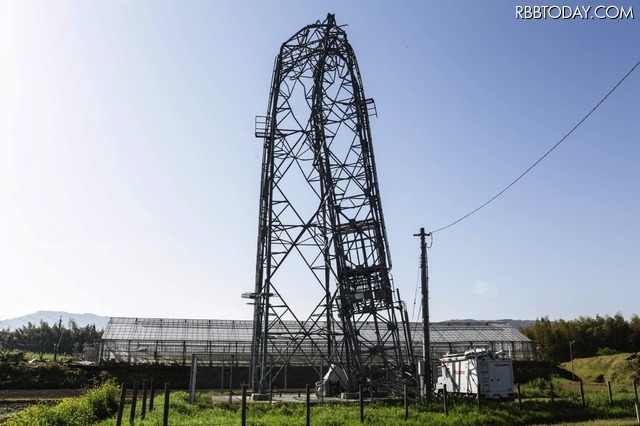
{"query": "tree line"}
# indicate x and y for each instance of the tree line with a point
(556, 341)
(561, 340)
(44, 339)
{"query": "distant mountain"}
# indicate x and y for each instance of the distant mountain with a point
(52, 318)
(518, 324)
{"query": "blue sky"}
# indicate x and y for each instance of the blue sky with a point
(129, 173)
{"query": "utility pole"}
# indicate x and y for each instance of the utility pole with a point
(424, 268)
(55, 352)
(573, 374)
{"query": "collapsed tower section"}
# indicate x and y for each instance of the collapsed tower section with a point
(321, 226)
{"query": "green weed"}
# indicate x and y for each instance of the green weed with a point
(95, 405)
(462, 412)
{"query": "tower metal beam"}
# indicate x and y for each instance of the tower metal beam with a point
(321, 228)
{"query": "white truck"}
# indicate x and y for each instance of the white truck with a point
(479, 372)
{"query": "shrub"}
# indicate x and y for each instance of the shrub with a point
(103, 401)
(96, 404)
(73, 412)
(539, 384)
(41, 375)
(606, 351)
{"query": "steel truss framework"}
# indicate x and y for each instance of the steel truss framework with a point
(320, 210)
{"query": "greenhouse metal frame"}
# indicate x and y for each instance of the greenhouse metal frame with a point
(215, 342)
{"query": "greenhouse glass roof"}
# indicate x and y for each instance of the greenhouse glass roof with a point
(166, 329)
(469, 331)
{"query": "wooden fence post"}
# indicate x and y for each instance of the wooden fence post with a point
(152, 394)
(406, 403)
(123, 396)
(361, 404)
(244, 405)
(132, 416)
(308, 402)
(144, 399)
(584, 404)
(610, 394)
(165, 419)
(446, 399)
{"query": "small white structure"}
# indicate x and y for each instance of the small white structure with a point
(333, 383)
(478, 372)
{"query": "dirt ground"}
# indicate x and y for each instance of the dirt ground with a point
(13, 394)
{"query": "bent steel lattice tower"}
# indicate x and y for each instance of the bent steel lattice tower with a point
(321, 229)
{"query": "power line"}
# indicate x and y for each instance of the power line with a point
(543, 157)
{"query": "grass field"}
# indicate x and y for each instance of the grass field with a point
(619, 368)
(540, 406)
(464, 412)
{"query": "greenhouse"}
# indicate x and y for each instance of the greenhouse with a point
(171, 341)
(458, 336)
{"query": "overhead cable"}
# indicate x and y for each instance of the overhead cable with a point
(543, 157)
